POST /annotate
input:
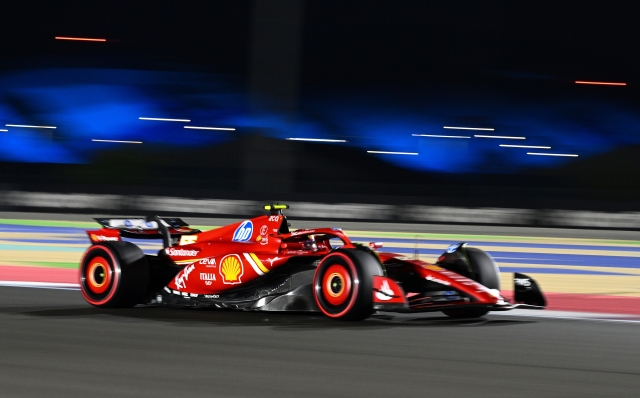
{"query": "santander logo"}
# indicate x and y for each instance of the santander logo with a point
(173, 252)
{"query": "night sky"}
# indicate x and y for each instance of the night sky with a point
(345, 43)
(373, 75)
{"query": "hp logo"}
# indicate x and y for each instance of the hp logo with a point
(243, 232)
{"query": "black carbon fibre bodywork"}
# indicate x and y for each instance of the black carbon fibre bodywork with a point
(287, 289)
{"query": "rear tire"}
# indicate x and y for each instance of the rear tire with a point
(486, 272)
(343, 284)
(114, 275)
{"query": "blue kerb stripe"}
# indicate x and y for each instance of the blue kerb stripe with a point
(529, 270)
(47, 230)
(445, 243)
(544, 258)
(81, 232)
(82, 238)
(500, 256)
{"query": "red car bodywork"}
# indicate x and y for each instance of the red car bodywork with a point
(235, 255)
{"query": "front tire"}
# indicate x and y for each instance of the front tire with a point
(114, 275)
(484, 271)
(343, 284)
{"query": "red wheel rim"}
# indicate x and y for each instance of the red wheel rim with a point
(336, 284)
(98, 275)
(109, 286)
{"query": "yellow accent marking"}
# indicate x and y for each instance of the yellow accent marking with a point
(331, 293)
(276, 207)
(92, 278)
(609, 285)
(259, 263)
(186, 261)
(188, 239)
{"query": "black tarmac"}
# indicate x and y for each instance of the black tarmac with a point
(53, 344)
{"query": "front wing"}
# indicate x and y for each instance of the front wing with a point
(389, 296)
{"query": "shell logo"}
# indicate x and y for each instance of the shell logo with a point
(231, 269)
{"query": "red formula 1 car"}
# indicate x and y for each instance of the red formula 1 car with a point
(259, 264)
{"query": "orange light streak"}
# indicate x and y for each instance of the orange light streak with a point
(78, 38)
(601, 83)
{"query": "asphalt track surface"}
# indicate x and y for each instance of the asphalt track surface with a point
(53, 344)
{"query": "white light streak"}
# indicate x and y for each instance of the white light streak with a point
(393, 153)
(3, 130)
(440, 136)
(315, 139)
(552, 154)
(209, 128)
(164, 120)
(525, 146)
(117, 141)
(467, 128)
(502, 137)
(31, 127)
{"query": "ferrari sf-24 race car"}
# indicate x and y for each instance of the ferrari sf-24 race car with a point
(260, 265)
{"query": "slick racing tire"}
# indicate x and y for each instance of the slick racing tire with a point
(485, 271)
(114, 275)
(343, 284)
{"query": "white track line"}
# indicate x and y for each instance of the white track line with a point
(41, 285)
(572, 315)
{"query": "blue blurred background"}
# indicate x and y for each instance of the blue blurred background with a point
(304, 97)
(107, 104)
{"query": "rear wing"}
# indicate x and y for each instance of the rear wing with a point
(140, 223)
(170, 230)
